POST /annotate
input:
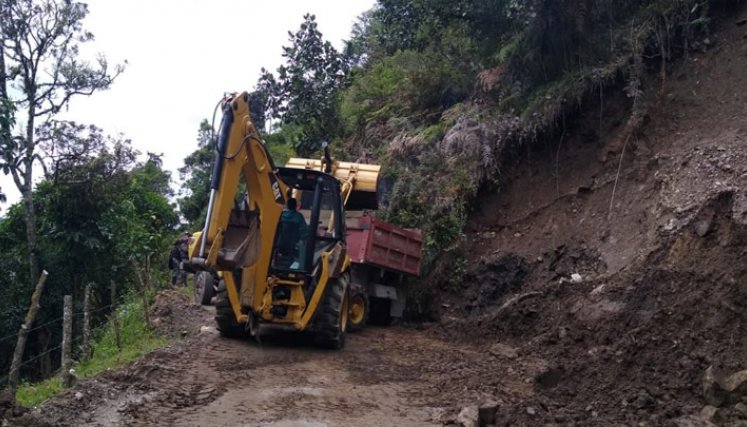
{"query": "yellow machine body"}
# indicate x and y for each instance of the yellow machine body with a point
(237, 241)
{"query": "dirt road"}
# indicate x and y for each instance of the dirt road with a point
(384, 376)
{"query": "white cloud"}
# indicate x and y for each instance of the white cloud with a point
(182, 56)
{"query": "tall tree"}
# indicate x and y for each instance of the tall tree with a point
(195, 177)
(40, 61)
(304, 92)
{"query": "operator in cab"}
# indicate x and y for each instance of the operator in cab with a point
(293, 232)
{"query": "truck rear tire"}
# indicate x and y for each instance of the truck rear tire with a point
(359, 307)
(224, 317)
(332, 316)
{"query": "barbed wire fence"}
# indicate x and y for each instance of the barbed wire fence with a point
(81, 342)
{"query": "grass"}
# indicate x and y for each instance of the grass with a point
(136, 338)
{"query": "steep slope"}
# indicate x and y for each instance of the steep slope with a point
(616, 269)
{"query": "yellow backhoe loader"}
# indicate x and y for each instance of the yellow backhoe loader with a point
(277, 255)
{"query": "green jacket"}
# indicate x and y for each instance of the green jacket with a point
(296, 217)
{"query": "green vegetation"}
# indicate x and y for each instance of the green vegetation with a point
(440, 89)
(136, 338)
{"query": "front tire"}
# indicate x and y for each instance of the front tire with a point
(332, 315)
(224, 317)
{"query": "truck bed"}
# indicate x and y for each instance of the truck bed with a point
(375, 242)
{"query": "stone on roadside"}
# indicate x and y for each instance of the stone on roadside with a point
(469, 416)
(718, 391)
(576, 278)
(503, 350)
(692, 421)
(708, 412)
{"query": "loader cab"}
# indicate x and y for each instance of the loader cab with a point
(316, 226)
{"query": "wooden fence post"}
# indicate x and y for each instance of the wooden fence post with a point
(86, 347)
(115, 322)
(23, 334)
(67, 342)
(143, 288)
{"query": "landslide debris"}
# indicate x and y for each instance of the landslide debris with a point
(631, 304)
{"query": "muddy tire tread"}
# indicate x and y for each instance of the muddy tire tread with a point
(328, 333)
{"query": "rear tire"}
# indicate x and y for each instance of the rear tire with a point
(224, 317)
(359, 307)
(204, 287)
(332, 314)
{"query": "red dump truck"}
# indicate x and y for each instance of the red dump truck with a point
(382, 255)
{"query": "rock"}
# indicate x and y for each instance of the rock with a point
(703, 227)
(741, 407)
(208, 330)
(78, 395)
(503, 350)
(739, 208)
(737, 383)
(469, 416)
(712, 392)
(576, 278)
(487, 412)
(718, 391)
(692, 421)
(643, 400)
(531, 411)
(598, 290)
(708, 412)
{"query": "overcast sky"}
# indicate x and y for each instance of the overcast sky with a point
(182, 56)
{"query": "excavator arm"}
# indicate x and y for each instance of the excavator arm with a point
(237, 237)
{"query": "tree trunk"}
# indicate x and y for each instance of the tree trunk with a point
(86, 347)
(23, 334)
(28, 194)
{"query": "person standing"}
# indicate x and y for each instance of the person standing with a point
(175, 261)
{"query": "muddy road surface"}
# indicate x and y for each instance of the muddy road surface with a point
(384, 376)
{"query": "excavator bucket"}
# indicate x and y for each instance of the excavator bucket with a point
(361, 180)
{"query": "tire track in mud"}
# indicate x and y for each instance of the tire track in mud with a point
(382, 377)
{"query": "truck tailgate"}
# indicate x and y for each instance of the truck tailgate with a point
(372, 241)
